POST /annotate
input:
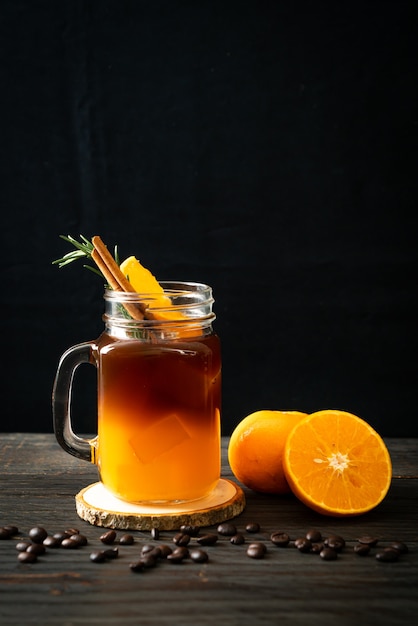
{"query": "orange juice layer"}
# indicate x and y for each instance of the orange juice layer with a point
(159, 419)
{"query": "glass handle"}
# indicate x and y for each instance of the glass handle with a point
(61, 402)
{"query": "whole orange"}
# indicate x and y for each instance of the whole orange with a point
(256, 448)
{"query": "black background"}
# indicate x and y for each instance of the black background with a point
(267, 148)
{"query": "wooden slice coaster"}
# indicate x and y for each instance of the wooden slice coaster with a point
(96, 505)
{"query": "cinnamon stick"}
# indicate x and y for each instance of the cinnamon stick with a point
(114, 277)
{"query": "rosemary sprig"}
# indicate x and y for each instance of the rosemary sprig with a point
(83, 250)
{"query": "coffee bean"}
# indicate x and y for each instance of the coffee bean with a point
(98, 556)
(336, 542)
(252, 527)
(280, 539)
(155, 551)
(370, 541)
(256, 550)
(60, 536)
(72, 531)
(38, 534)
(22, 546)
(328, 554)
(207, 540)
(137, 566)
(178, 555)
(303, 544)
(181, 539)
(314, 535)
(111, 553)
(193, 531)
(149, 560)
(51, 542)
(165, 550)
(27, 557)
(147, 547)
(7, 532)
(227, 529)
(155, 533)
(401, 547)
(199, 556)
(362, 549)
(237, 539)
(108, 537)
(126, 540)
(80, 540)
(317, 547)
(69, 544)
(36, 548)
(388, 555)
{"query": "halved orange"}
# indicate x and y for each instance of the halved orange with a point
(337, 464)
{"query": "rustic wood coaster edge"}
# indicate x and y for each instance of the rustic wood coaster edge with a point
(163, 521)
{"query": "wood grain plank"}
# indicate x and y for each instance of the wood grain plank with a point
(38, 483)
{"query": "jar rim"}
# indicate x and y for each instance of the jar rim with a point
(171, 288)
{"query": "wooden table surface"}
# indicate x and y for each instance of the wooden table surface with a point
(39, 482)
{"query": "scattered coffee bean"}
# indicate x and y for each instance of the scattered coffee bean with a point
(155, 533)
(27, 557)
(227, 529)
(98, 556)
(336, 542)
(181, 539)
(108, 537)
(317, 547)
(193, 531)
(149, 560)
(155, 551)
(178, 555)
(388, 555)
(207, 540)
(22, 546)
(69, 544)
(80, 540)
(151, 549)
(256, 550)
(280, 539)
(252, 527)
(51, 542)
(111, 553)
(71, 531)
(38, 534)
(401, 547)
(370, 541)
(199, 556)
(137, 566)
(165, 550)
(126, 539)
(303, 544)
(147, 547)
(314, 535)
(7, 532)
(36, 548)
(237, 539)
(60, 536)
(328, 554)
(362, 549)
